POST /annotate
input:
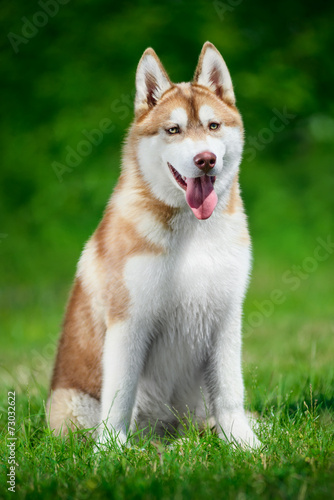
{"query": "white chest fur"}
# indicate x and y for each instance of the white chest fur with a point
(204, 266)
(182, 299)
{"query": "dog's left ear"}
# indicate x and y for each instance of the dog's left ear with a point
(151, 81)
(212, 72)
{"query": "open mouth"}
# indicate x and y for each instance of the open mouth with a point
(182, 181)
(200, 194)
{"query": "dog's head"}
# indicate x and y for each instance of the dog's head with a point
(189, 136)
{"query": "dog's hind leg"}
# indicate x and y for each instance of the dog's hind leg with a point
(70, 408)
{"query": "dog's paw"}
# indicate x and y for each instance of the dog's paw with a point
(235, 428)
(109, 439)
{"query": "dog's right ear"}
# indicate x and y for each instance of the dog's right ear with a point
(151, 82)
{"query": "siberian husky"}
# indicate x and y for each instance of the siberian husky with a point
(152, 330)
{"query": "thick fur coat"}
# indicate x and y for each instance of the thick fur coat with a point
(153, 325)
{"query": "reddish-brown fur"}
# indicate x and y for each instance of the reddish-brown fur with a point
(78, 362)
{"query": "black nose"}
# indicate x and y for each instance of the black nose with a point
(205, 161)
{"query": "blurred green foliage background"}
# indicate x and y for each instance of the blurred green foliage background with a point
(65, 71)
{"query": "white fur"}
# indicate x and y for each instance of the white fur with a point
(206, 114)
(149, 66)
(152, 230)
(191, 322)
(92, 277)
(180, 348)
(179, 117)
(71, 408)
(212, 59)
(122, 363)
(227, 148)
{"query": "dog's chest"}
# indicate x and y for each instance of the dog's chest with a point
(201, 270)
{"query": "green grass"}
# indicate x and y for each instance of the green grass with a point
(296, 460)
(68, 78)
(289, 377)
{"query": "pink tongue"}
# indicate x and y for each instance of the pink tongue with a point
(200, 196)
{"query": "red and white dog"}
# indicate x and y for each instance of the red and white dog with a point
(153, 325)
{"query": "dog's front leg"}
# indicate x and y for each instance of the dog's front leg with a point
(227, 388)
(122, 363)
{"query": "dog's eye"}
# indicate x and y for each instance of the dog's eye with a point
(173, 130)
(214, 126)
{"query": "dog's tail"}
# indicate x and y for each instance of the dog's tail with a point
(71, 409)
